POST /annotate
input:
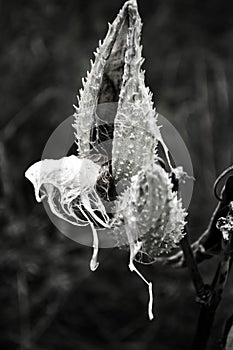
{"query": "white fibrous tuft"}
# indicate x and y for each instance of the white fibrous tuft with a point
(69, 184)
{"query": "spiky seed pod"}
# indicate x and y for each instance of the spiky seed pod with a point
(109, 59)
(149, 217)
(136, 132)
(153, 213)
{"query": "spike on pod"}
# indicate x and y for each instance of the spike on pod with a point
(75, 107)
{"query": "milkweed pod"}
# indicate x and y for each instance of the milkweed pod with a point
(153, 212)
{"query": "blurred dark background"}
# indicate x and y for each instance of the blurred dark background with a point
(49, 299)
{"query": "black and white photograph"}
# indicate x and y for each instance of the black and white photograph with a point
(116, 175)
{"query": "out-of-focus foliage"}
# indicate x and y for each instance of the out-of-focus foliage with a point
(48, 297)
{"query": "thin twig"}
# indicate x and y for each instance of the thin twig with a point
(44, 323)
(7, 188)
(24, 311)
(202, 290)
(25, 113)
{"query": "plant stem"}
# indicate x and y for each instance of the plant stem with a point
(208, 310)
(202, 290)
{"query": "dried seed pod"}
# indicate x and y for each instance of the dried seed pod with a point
(106, 71)
(148, 216)
(153, 213)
